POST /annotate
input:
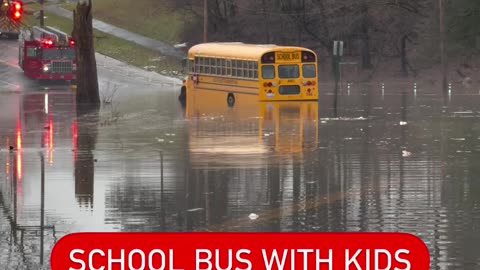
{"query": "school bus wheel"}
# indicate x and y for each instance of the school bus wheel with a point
(230, 99)
(183, 94)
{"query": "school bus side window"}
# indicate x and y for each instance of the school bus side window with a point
(239, 69)
(202, 65)
(245, 69)
(197, 64)
(234, 68)
(205, 65)
(268, 72)
(251, 68)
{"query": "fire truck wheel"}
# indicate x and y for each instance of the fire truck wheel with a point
(13, 36)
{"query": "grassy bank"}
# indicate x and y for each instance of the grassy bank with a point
(114, 47)
(151, 18)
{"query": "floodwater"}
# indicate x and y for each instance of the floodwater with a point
(401, 159)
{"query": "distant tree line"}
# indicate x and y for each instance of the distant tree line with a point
(371, 29)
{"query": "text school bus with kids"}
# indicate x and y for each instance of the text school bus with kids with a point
(270, 72)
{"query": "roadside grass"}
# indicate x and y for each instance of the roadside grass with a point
(155, 19)
(120, 49)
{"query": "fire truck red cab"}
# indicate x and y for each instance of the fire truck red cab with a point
(46, 53)
(11, 16)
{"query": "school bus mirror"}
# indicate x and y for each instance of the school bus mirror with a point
(184, 65)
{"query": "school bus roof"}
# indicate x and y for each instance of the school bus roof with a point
(237, 49)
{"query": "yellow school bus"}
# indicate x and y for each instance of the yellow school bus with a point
(248, 135)
(268, 72)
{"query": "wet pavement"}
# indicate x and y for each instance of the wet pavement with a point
(398, 159)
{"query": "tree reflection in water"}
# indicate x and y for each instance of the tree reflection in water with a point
(85, 139)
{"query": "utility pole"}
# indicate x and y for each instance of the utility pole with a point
(205, 20)
(337, 56)
(441, 7)
(42, 16)
(42, 207)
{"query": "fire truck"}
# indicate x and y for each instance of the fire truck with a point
(46, 53)
(11, 15)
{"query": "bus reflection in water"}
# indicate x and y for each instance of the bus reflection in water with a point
(251, 134)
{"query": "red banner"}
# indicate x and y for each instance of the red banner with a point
(240, 251)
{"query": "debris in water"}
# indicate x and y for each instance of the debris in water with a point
(253, 216)
(159, 139)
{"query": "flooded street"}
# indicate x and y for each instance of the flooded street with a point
(397, 160)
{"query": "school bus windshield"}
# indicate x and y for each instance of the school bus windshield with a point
(288, 72)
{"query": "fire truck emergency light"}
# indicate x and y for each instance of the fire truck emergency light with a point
(17, 10)
(47, 42)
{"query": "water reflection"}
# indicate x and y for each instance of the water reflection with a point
(393, 162)
(249, 133)
(29, 133)
(85, 131)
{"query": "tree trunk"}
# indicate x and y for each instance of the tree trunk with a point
(266, 22)
(366, 63)
(87, 81)
(365, 38)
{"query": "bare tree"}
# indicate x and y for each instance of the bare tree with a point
(87, 80)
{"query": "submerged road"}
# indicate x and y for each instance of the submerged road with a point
(401, 158)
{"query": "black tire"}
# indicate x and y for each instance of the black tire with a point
(13, 36)
(230, 100)
(183, 94)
